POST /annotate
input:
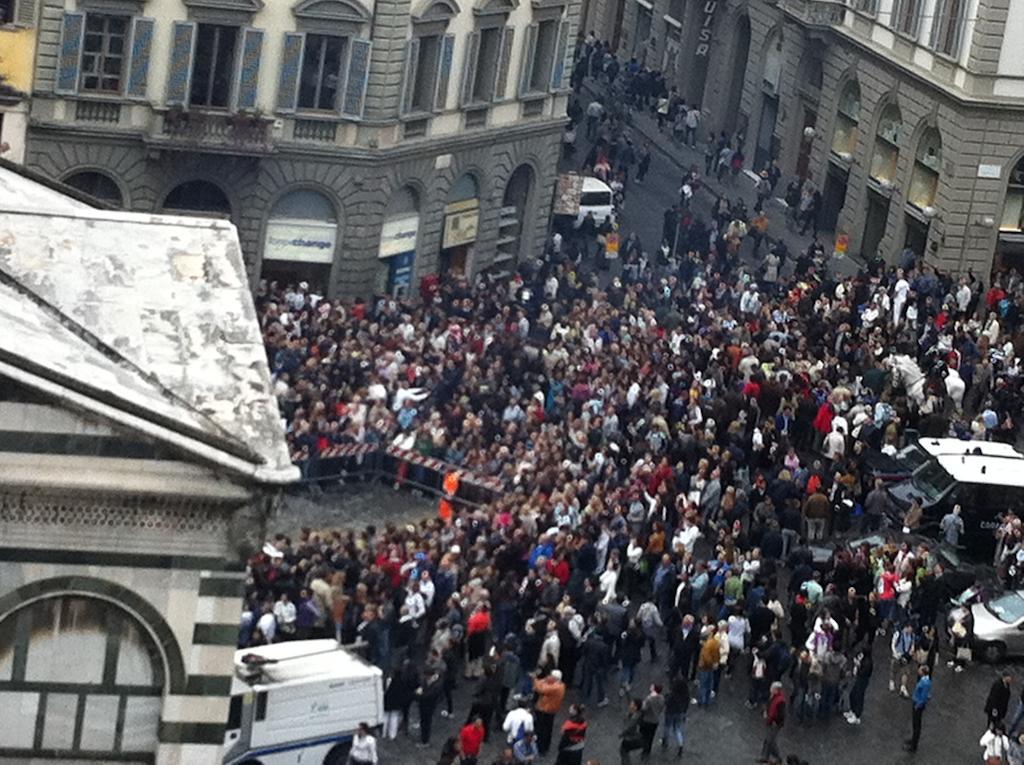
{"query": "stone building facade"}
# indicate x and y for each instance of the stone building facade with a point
(908, 115)
(359, 145)
(141, 453)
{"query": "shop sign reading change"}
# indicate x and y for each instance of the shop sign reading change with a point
(302, 241)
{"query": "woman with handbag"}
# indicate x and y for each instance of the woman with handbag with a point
(995, 745)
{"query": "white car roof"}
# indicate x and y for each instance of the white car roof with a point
(301, 659)
(979, 468)
(591, 183)
(956, 446)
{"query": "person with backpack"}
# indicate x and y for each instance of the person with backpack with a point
(518, 722)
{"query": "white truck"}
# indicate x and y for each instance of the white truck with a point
(299, 703)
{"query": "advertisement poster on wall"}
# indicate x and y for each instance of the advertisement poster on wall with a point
(460, 227)
(300, 241)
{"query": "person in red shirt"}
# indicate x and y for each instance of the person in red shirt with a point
(774, 718)
(471, 739)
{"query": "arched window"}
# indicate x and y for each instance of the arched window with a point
(886, 151)
(1013, 208)
(844, 139)
(924, 179)
(97, 185)
(514, 208)
(79, 676)
(198, 197)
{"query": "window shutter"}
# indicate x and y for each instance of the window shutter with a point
(179, 76)
(558, 65)
(355, 83)
(508, 36)
(469, 67)
(249, 69)
(291, 65)
(412, 55)
(138, 64)
(26, 14)
(71, 32)
(444, 72)
(526, 65)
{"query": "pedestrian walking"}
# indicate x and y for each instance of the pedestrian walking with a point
(774, 718)
(651, 710)
(630, 738)
(574, 734)
(919, 702)
(995, 745)
(863, 666)
(643, 161)
(471, 740)
(998, 701)
(364, 747)
(550, 691)
(677, 704)
(428, 694)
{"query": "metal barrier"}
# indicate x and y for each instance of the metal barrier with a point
(403, 469)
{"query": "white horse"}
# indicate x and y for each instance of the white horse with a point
(907, 374)
(955, 387)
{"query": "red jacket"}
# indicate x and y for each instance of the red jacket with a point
(776, 710)
(472, 738)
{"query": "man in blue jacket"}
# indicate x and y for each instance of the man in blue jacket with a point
(922, 695)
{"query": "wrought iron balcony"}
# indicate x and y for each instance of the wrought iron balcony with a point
(819, 14)
(218, 132)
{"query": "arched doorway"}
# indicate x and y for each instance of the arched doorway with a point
(512, 219)
(765, 148)
(81, 677)
(885, 155)
(461, 221)
(1010, 248)
(300, 239)
(844, 143)
(97, 185)
(198, 198)
(398, 242)
(738, 73)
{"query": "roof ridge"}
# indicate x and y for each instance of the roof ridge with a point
(221, 438)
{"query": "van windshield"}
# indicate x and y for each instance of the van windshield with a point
(595, 199)
(932, 480)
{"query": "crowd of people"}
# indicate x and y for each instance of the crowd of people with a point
(669, 439)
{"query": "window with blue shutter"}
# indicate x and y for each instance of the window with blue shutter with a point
(291, 59)
(179, 75)
(444, 72)
(70, 54)
(469, 68)
(355, 83)
(504, 63)
(526, 64)
(249, 69)
(138, 65)
(412, 56)
(558, 70)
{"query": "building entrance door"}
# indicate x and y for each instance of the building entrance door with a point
(765, 149)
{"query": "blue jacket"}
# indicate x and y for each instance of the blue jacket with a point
(922, 692)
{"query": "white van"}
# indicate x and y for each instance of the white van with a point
(299, 703)
(985, 478)
(596, 198)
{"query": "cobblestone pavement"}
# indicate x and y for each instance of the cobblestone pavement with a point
(352, 505)
(727, 732)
